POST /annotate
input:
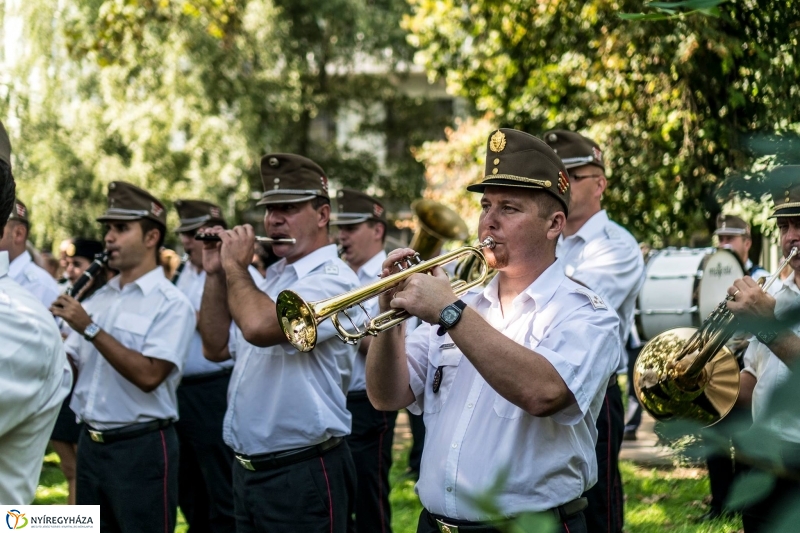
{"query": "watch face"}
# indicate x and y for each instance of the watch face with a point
(449, 314)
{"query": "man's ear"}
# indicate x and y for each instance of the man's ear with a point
(152, 237)
(324, 214)
(20, 233)
(602, 183)
(557, 222)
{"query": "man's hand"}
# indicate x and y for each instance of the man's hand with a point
(238, 247)
(424, 295)
(72, 312)
(212, 263)
(754, 308)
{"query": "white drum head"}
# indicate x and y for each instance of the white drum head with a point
(720, 270)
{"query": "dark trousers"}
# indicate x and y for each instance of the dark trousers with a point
(313, 496)
(134, 481)
(205, 488)
(371, 445)
(418, 441)
(636, 418)
(773, 514)
(573, 524)
(722, 469)
(605, 511)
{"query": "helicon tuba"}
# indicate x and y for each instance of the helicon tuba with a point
(690, 373)
(436, 224)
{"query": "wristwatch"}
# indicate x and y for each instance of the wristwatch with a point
(91, 331)
(766, 336)
(450, 316)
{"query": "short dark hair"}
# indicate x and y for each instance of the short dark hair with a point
(149, 224)
(7, 189)
(319, 201)
(547, 204)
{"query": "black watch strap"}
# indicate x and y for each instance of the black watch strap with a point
(444, 325)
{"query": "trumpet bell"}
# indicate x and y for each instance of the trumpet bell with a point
(666, 392)
(297, 320)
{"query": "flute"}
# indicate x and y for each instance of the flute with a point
(205, 237)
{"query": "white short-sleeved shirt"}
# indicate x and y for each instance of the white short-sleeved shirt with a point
(191, 282)
(755, 271)
(150, 316)
(472, 433)
(34, 373)
(368, 273)
(279, 398)
(605, 257)
(769, 370)
(34, 278)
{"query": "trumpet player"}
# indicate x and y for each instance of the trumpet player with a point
(35, 375)
(287, 416)
(361, 220)
(773, 354)
(602, 255)
(510, 379)
(205, 490)
(129, 344)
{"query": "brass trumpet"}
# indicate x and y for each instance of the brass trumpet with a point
(690, 373)
(299, 319)
(205, 237)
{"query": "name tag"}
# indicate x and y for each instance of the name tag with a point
(447, 346)
(331, 269)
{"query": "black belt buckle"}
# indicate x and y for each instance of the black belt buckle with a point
(444, 527)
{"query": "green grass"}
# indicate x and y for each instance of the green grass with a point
(657, 500)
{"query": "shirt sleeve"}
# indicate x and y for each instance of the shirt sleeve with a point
(611, 265)
(170, 333)
(417, 345)
(577, 347)
(751, 359)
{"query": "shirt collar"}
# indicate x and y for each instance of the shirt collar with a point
(592, 227)
(146, 283)
(373, 267)
(3, 264)
(789, 283)
(748, 265)
(18, 264)
(541, 291)
(313, 260)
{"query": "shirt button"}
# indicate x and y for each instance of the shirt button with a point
(455, 445)
(449, 489)
(469, 406)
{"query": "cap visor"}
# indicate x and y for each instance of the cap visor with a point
(348, 219)
(124, 218)
(191, 227)
(788, 212)
(286, 198)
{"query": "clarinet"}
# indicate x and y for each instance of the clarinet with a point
(180, 268)
(88, 275)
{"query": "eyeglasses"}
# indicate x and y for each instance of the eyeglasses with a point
(584, 176)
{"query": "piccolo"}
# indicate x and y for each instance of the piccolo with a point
(264, 240)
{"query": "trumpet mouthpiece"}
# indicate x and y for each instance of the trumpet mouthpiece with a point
(488, 242)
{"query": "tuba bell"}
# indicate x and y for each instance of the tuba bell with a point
(437, 223)
(690, 373)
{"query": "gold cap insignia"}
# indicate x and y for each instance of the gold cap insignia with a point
(497, 142)
(563, 183)
(70, 251)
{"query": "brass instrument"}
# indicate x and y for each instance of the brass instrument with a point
(437, 224)
(299, 319)
(205, 237)
(690, 373)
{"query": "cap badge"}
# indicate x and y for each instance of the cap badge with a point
(70, 251)
(156, 209)
(497, 142)
(273, 161)
(21, 211)
(563, 182)
(377, 210)
(324, 182)
(598, 155)
(215, 212)
(552, 137)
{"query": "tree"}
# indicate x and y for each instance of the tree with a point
(669, 100)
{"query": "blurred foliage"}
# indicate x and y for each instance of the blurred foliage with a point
(671, 101)
(183, 97)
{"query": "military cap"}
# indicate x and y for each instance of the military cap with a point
(785, 184)
(353, 207)
(518, 159)
(19, 213)
(128, 202)
(574, 149)
(5, 146)
(731, 225)
(195, 214)
(290, 178)
(87, 248)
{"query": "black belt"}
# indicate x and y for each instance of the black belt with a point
(271, 461)
(128, 432)
(452, 525)
(613, 381)
(202, 378)
(357, 395)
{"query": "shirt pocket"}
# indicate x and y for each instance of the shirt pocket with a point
(131, 329)
(442, 369)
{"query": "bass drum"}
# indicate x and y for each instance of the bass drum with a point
(683, 285)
